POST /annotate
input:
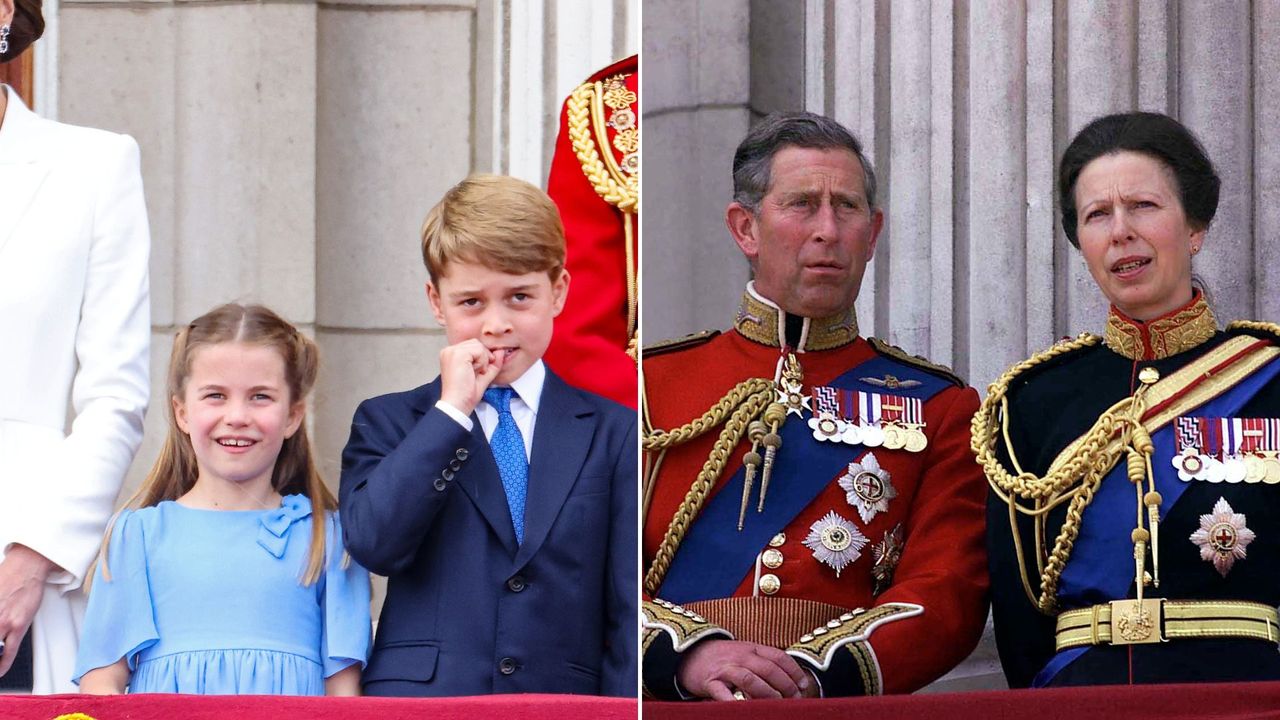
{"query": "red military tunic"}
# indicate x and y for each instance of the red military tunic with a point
(932, 612)
(593, 334)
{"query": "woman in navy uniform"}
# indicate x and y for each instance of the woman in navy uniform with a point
(1133, 526)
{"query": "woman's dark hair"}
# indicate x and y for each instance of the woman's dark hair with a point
(27, 27)
(1152, 134)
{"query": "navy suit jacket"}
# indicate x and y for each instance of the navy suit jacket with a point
(469, 611)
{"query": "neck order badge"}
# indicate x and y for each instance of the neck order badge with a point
(507, 446)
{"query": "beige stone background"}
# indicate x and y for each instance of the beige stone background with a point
(964, 107)
(291, 149)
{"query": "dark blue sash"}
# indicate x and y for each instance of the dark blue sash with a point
(1101, 565)
(714, 556)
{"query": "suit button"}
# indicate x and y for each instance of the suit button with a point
(447, 474)
(507, 665)
(516, 584)
(462, 453)
(455, 465)
(440, 484)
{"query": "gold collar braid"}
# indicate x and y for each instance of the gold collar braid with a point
(1170, 334)
(762, 321)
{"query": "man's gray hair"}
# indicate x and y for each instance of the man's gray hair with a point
(754, 158)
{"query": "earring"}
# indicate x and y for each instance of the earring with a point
(1195, 249)
(4, 39)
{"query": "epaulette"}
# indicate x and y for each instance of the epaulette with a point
(692, 340)
(1063, 351)
(898, 353)
(1270, 331)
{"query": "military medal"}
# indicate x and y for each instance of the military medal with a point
(826, 423)
(916, 440)
(1222, 537)
(1231, 450)
(1234, 468)
(1254, 469)
(871, 435)
(886, 554)
(898, 419)
(867, 487)
(835, 541)
(895, 438)
(1271, 467)
(791, 397)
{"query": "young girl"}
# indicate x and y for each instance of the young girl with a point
(219, 576)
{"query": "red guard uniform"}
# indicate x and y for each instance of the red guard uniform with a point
(873, 577)
(595, 180)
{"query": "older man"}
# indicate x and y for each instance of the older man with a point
(813, 518)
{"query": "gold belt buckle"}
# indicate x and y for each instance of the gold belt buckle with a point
(1137, 623)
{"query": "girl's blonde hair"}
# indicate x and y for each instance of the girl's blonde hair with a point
(175, 471)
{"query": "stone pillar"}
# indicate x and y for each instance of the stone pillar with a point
(964, 109)
(695, 101)
(291, 150)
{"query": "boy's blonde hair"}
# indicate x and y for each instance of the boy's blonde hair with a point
(296, 470)
(500, 222)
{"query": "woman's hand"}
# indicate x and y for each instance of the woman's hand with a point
(23, 573)
(109, 680)
(344, 682)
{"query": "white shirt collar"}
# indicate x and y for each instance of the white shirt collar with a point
(529, 385)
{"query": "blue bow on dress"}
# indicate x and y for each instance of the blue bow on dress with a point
(273, 536)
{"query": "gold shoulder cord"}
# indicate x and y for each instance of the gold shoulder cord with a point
(1073, 478)
(736, 410)
(1075, 473)
(617, 185)
(1257, 326)
(754, 407)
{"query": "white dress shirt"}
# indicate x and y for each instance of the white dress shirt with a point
(524, 407)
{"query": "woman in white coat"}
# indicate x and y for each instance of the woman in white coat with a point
(74, 338)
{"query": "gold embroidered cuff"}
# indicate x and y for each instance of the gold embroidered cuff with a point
(852, 630)
(684, 626)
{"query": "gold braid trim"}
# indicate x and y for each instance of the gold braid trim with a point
(818, 647)
(585, 111)
(866, 661)
(742, 392)
(742, 404)
(684, 626)
(1271, 329)
(1075, 480)
(1075, 473)
(582, 103)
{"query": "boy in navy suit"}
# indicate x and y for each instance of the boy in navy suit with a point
(499, 501)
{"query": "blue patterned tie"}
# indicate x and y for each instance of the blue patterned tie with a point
(507, 446)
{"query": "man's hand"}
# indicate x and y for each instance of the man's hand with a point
(466, 369)
(716, 668)
(22, 576)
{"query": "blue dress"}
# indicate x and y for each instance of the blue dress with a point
(210, 602)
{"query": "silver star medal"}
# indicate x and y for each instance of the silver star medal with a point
(835, 542)
(1222, 537)
(867, 487)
